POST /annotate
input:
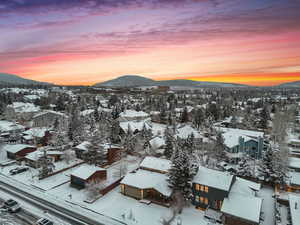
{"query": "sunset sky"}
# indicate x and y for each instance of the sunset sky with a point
(253, 42)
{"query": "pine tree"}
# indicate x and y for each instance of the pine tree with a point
(47, 165)
(265, 169)
(184, 116)
(180, 174)
(199, 117)
(169, 147)
(219, 148)
(244, 168)
(95, 155)
(264, 117)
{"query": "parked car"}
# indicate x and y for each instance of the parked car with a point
(11, 206)
(18, 170)
(44, 221)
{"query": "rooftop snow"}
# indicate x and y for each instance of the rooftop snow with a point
(185, 131)
(85, 171)
(295, 208)
(133, 113)
(83, 146)
(9, 126)
(144, 179)
(250, 210)
(295, 178)
(16, 148)
(213, 178)
(294, 162)
(22, 107)
(156, 164)
(245, 187)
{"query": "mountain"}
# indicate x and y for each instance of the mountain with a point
(137, 81)
(12, 79)
(295, 84)
(128, 81)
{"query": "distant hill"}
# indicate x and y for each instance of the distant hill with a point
(136, 81)
(295, 84)
(11, 79)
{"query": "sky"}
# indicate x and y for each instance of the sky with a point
(74, 42)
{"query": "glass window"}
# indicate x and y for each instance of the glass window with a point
(206, 189)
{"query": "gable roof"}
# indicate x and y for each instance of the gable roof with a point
(154, 163)
(232, 206)
(16, 148)
(85, 171)
(213, 178)
(144, 179)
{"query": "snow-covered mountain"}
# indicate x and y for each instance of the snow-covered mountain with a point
(135, 81)
(295, 84)
(6, 78)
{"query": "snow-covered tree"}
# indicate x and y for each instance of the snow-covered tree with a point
(47, 165)
(219, 148)
(244, 168)
(169, 147)
(93, 188)
(266, 168)
(95, 154)
(180, 174)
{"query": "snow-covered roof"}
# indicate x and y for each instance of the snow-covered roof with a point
(134, 125)
(85, 171)
(22, 107)
(36, 155)
(185, 131)
(294, 162)
(213, 178)
(231, 139)
(36, 132)
(295, 178)
(245, 187)
(86, 112)
(239, 132)
(295, 208)
(133, 114)
(6, 126)
(156, 164)
(16, 148)
(32, 97)
(157, 142)
(50, 111)
(83, 146)
(144, 179)
(250, 210)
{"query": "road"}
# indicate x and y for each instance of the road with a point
(66, 212)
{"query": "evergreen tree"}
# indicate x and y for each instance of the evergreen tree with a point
(244, 168)
(115, 132)
(180, 175)
(95, 154)
(219, 148)
(184, 115)
(47, 165)
(169, 147)
(264, 117)
(266, 170)
(199, 118)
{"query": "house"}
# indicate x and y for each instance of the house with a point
(185, 131)
(246, 214)
(33, 159)
(36, 135)
(17, 151)
(294, 163)
(47, 119)
(129, 115)
(21, 110)
(144, 184)
(154, 164)
(243, 141)
(112, 151)
(135, 126)
(210, 187)
(294, 184)
(86, 174)
(149, 181)
(294, 205)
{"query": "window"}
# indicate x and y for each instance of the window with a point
(204, 200)
(197, 187)
(202, 187)
(206, 189)
(197, 198)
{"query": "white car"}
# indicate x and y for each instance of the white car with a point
(11, 206)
